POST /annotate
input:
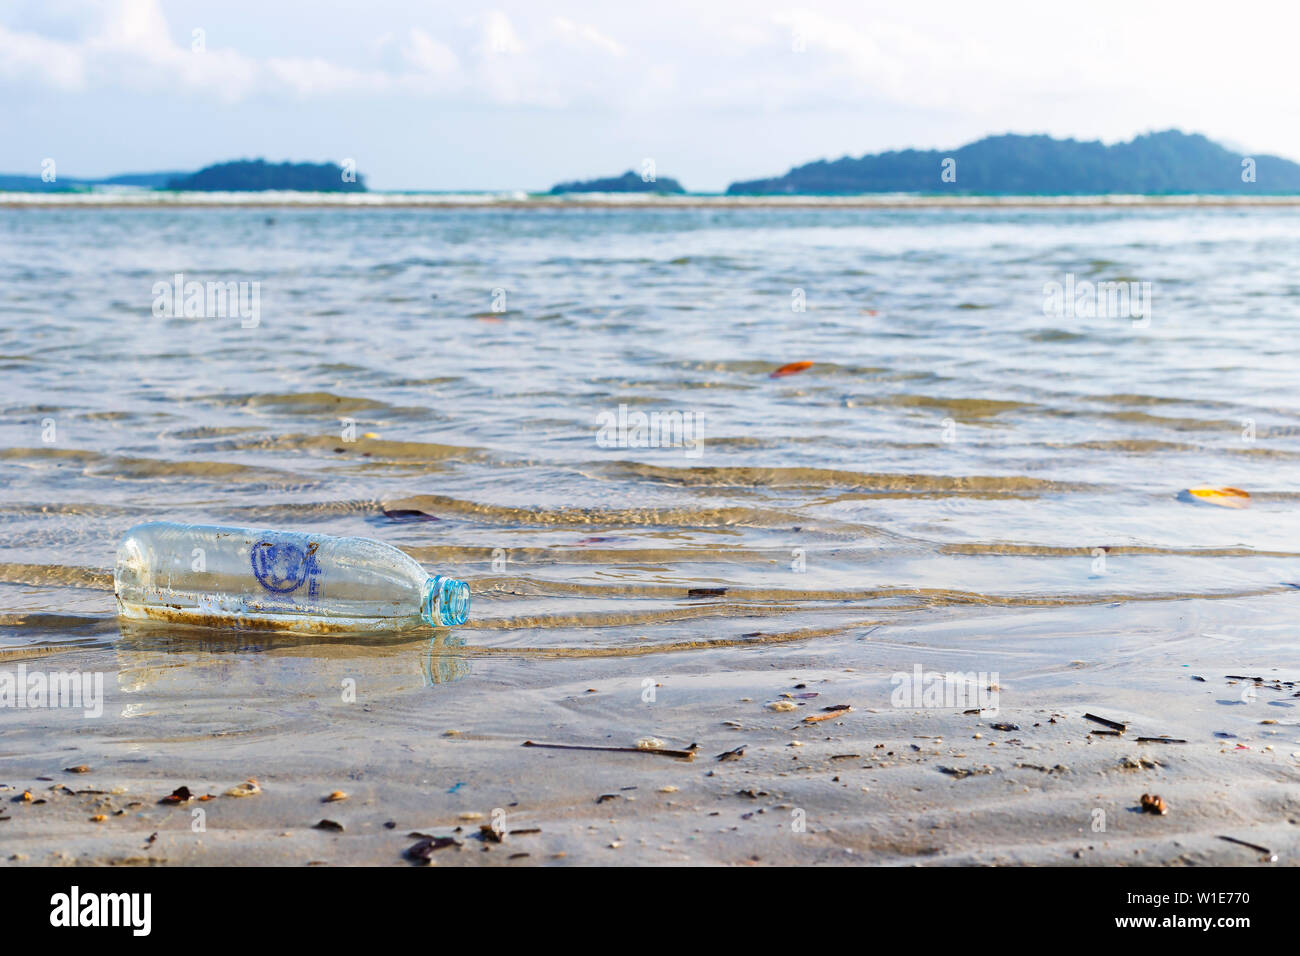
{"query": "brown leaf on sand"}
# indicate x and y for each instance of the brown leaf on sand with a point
(793, 368)
(179, 795)
(79, 768)
(328, 825)
(829, 713)
(1154, 803)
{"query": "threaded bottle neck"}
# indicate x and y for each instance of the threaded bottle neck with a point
(446, 602)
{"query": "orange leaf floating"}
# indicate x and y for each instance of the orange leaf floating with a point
(1223, 497)
(791, 369)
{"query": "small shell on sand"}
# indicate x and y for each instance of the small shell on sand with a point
(246, 789)
(781, 706)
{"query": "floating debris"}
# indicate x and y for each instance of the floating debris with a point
(408, 514)
(679, 754)
(705, 592)
(791, 368)
(1154, 803)
(1223, 497)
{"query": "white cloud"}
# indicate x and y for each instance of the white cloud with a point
(587, 35)
(952, 69)
(26, 56)
(313, 76)
(499, 34)
(429, 55)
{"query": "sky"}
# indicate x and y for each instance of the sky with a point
(424, 94)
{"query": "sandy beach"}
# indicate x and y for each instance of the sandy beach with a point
(436, 737)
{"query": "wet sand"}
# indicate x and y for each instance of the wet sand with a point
(433, 745)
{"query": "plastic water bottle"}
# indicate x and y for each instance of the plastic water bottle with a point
(242, 577)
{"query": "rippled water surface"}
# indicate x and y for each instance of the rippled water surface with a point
(952, 448)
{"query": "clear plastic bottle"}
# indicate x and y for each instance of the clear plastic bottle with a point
(293, 580)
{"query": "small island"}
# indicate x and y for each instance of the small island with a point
(629, 182)
(1153, 164)
(253, 175)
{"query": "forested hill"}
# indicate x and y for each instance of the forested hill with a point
(249, 175)
(1168, 162)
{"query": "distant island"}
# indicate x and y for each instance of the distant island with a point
(1166, 163)
(34, 184)
(245, 175)
(629, 182)
(1156, 163)
(252, 175)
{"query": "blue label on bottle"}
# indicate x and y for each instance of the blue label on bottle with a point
(282, 566)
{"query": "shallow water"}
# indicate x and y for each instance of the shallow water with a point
(954, 449)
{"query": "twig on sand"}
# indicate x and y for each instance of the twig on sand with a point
(679, 754)
(1268, 854)
(1160, 740)
(1112, 724)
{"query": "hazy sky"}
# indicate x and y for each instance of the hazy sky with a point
(500, 95)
